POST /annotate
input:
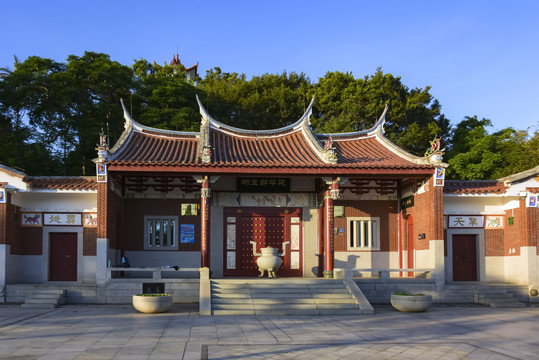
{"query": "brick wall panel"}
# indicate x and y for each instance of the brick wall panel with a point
(89, 242)
(30, 242)
(494, 243)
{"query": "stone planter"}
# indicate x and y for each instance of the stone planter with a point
(411, 303)
(152, 304)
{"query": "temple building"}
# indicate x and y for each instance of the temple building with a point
(329, 203)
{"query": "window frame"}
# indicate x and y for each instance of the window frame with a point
(161, 218)
(373, 240)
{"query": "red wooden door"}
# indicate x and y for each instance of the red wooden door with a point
(63, 257)
(464, 258)
(267, 227)
(410, 238)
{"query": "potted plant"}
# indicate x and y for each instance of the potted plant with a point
(410, 302)
(152, 303)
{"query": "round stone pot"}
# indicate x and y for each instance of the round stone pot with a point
(411, 303)
(152, 304)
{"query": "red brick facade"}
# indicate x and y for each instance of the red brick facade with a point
(385, 210)
(3, 223)
(89, 242)
(109, 210)
(29, 242)
(495, 245)
(427, 214)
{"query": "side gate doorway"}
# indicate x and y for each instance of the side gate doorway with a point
(464, 258)
(267, 227)
(63, 257)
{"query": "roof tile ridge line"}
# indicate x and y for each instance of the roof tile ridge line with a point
(139, 127)
(18, 173)
(521, 175)
(219, 125)
(378, 125)
(128, 129)
(311, 139)
(378, 131)
(396, 149)
(205, 136)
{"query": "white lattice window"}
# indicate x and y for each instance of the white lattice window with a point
(160, 232)
(363, 233)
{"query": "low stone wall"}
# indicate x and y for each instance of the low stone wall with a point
(183, 290)
(378, 291)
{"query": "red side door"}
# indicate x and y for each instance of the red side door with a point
(63, 257)
(464, 258)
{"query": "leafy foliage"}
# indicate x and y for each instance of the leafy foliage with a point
(475, 154)
(51, 112)
(346, 104)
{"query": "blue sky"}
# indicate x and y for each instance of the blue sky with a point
(480, 57)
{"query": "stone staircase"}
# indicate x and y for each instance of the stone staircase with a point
(494, 295)
(283, 297)
(497, 297)
(45, 299)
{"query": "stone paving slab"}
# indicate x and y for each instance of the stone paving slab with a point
(119, 332)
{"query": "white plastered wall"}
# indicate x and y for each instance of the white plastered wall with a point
(310, 242)
(61, 201)
(366, 259)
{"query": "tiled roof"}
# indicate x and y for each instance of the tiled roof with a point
(150, 147)
(474, 187)
(62, 183)
(369, 152)
(292, 147)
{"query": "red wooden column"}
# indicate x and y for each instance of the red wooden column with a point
(205, 223)
(329, 196)
(320, 241)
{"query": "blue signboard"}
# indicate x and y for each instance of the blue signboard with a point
(187, 234)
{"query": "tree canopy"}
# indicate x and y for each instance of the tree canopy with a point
(51, 112)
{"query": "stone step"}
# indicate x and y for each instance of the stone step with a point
(491, 291)
(507, 305)
(280, 281)
(38, 306)
(233, 312)
(282, 297)
(48, 296)
(341, 312)
(42, 301)
(500, 300)
(337, 306)
(496, 295)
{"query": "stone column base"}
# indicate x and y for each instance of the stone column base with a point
(328, 274)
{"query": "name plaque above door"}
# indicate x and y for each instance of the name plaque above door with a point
(263, 185)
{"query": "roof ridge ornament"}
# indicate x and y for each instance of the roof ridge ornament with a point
(330, 152)
(434, 151)
(204, 152)
(102, 148)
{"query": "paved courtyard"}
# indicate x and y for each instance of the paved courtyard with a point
(118, 332)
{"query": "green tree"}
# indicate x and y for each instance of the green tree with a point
(268, 101)
(346, 104)
(164, 98)
(475, 154)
